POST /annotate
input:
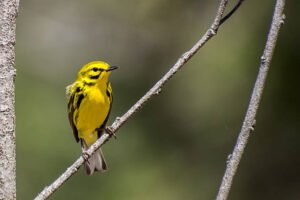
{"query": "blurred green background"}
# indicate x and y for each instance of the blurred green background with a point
(176, 147)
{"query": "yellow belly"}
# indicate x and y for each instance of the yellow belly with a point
(92, 112)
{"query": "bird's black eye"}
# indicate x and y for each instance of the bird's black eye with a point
(95, 69)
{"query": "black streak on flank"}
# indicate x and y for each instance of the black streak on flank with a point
(79, 100)
(107, 93)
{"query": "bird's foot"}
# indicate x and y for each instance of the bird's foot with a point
(85, 156)
(110, 132)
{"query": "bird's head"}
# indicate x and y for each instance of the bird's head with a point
(95, 72)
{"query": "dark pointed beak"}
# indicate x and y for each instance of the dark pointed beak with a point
(111, 68)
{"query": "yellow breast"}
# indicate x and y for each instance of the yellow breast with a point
(92, 112)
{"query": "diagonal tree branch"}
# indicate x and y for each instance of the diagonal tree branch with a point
(155, 90)
(249, 121)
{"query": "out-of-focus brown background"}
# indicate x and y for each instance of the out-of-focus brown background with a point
(176, 147)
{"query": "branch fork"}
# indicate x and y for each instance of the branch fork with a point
(155, 90)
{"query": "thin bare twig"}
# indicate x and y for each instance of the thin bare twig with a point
(155, 90)
(228, 15)
(249, 121)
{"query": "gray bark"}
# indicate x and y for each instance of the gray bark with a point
(155, 90)
(249, 121)
(8, 14)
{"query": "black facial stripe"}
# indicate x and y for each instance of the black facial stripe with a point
(95, 77)
(95, 69)
(90, 83)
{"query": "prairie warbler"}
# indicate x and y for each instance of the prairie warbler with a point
(89, 104)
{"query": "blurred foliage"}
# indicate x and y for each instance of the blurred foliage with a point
(176, 147)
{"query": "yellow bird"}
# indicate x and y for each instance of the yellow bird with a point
(89, 104)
